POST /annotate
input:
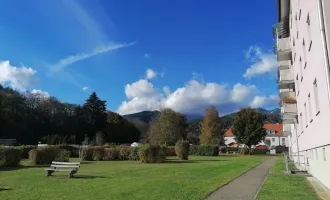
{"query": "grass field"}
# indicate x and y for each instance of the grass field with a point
(285, 187)
(193, 179)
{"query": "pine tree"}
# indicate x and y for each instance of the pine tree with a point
(248, 127)
(211, 132)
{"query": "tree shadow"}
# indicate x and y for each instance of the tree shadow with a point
(86, 177)
(179, 161)
(4, 189)
(87, 162)
(22, 167)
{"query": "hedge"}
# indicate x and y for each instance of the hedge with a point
(74, 151)
(182, 149)
(152, 154)
(98, 153)
(258, 151)
(10, 156)
(45, 155)
(170, 151)
(25, 149)
(204, 150)
(111, 153)
(244, 151)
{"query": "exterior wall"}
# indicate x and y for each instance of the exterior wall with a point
(312, 131)
(229, 140)
(278, 141)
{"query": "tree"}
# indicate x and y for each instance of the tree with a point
(99, 139)
(211, 131)
(167, 128)
(267, 143)
(248, 127)
(95, 114)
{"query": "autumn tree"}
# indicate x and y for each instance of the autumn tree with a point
(167, 127)
(211, 131)
(248, 127)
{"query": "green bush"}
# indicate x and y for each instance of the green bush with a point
(244, 151)
(111, 153)
(87, 153)
(124, 153)
(45, 155)
(152, 154)
(74, 151)
(182, 149)
(204, 150)
(25, 149)
(232, 149)
(98, 153)
(258, 151)
(170, 151)
(10, 157)
(133, 153)
(208, 150)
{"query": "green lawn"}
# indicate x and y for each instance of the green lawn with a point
(285, 187)
(175, 179)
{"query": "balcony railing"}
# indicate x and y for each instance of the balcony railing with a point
(285, 64)
(288, 95)
(286, 131)
(286, 78)
(289, 108)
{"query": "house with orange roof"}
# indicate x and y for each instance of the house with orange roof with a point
(274, 134)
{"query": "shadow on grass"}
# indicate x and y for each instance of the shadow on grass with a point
(86, 162)
(22, 167)
(192, 161)
(4, 189)
(86, 177)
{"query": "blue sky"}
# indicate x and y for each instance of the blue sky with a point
(142, 55)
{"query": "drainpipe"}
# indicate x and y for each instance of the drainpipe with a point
(297, 144)
(324, 45)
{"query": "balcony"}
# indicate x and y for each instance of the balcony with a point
(289, 110)
(287, 95)
(286, 78)
(283, 49)
(285, 64)
(286, 131)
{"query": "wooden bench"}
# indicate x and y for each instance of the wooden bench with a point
(71, 167)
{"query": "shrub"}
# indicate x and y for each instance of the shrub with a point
(10, 157)
(280, 148)
(194, 150)
(111, 153)
(133, 153)
(208, 150)
(152, 154)
(25, 149)
(244, 151)
(124, 153)
(45, 155)
(87, 153)
(232, 149)
(170, 151)
(98, 153)
(74, 151)
(258, 151)
(182, 149)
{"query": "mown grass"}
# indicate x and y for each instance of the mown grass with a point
(192, 179)
(285, 187)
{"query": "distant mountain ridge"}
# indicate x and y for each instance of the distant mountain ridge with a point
(271, 116)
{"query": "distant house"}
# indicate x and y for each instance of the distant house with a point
(274, 134)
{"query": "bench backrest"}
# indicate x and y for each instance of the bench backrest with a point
(65, 164)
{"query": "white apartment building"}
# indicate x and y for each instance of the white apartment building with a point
(302, 48)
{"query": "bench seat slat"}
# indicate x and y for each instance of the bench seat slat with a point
(66, 163)
(65, 166)
(58, 170)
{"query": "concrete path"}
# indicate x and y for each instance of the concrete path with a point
(246, 186)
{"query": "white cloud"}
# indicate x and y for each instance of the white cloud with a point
(264, 102)
(146, 55)
(85, 89)
(82, 56)
(19, 78)
(262, 62)
(150, 74)
(193, 97)
(40, 93)
(166, 90)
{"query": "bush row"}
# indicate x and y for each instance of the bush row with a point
(10, 156)
(45, 155)
(25, 149)
(204, 150)
(182, 149)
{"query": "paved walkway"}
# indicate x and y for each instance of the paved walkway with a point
(246, 186)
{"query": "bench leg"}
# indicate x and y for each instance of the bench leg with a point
(70, 175)
(49, 173)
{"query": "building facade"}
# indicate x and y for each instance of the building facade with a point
(302, 49)
(274, 135)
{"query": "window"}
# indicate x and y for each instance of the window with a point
(310, 107)
(324, 155)
(316, 97)
(306, 120)
(301, 123)
(304, 52)
(299, 14)
(273, 139)
(283, 141)
(297, 84)
(301, 69)
(308, 21)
